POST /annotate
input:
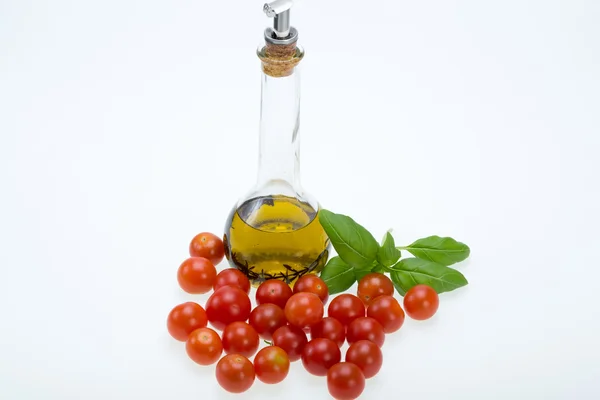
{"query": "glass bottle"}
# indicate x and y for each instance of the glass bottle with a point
(273, 232)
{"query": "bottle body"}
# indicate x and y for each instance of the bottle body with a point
(274, 231)
(275, 237)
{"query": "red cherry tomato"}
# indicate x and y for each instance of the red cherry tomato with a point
(346, 308)
(204, 346)
(208, 246)
(345, 381)
(232, 277)
(312, 284)
(196, 275)
(226, 305)
(374, 285)
(329, 328)
(272, 364)
(387, 311)
(266, 319)
(240, 338)
(273, 291)
(421, 302)
(304, 309)
(291, 339)
(367, 356)
(319, 355)
(365, 328)
(235, 373)
(184, 319)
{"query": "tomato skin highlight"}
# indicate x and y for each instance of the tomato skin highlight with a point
(232, 277)
(329, 328)
(365, 328)
(387, 311)
(421, 302)
(292, 340)
(367, 356)
(271, 364)
(226, 305)
(304, 309)
(209, 246)
(273, 291)
(345, 381)
(374, 285)
(346, 308)
(311, 283)
(184, 319)
(240, 338)
(235, 373)
(266, 319)
(196, 275)
(204, 346)
(319, 355)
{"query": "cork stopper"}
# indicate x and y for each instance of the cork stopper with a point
(280, 55)
(279, 60)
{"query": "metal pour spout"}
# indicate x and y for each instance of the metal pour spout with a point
(282, 30)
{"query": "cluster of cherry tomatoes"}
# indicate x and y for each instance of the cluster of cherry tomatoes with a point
(283, 317)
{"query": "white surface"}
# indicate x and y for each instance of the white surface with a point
(126, 127)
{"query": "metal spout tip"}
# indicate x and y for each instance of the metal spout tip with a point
(269, 10)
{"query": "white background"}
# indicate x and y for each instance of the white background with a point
(126, 127)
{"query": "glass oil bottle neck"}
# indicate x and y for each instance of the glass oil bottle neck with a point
(279, 152)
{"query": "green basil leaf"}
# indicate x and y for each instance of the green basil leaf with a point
(359, 273)
(353, 243)
(410, 272)
(442, 250)
(388, 254)
(385, 237)
(338, 275)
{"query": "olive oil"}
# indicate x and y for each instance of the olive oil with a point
(275, 237)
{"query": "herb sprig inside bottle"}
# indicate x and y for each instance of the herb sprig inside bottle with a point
(359, 253)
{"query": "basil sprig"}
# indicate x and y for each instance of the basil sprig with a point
(359, 253)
